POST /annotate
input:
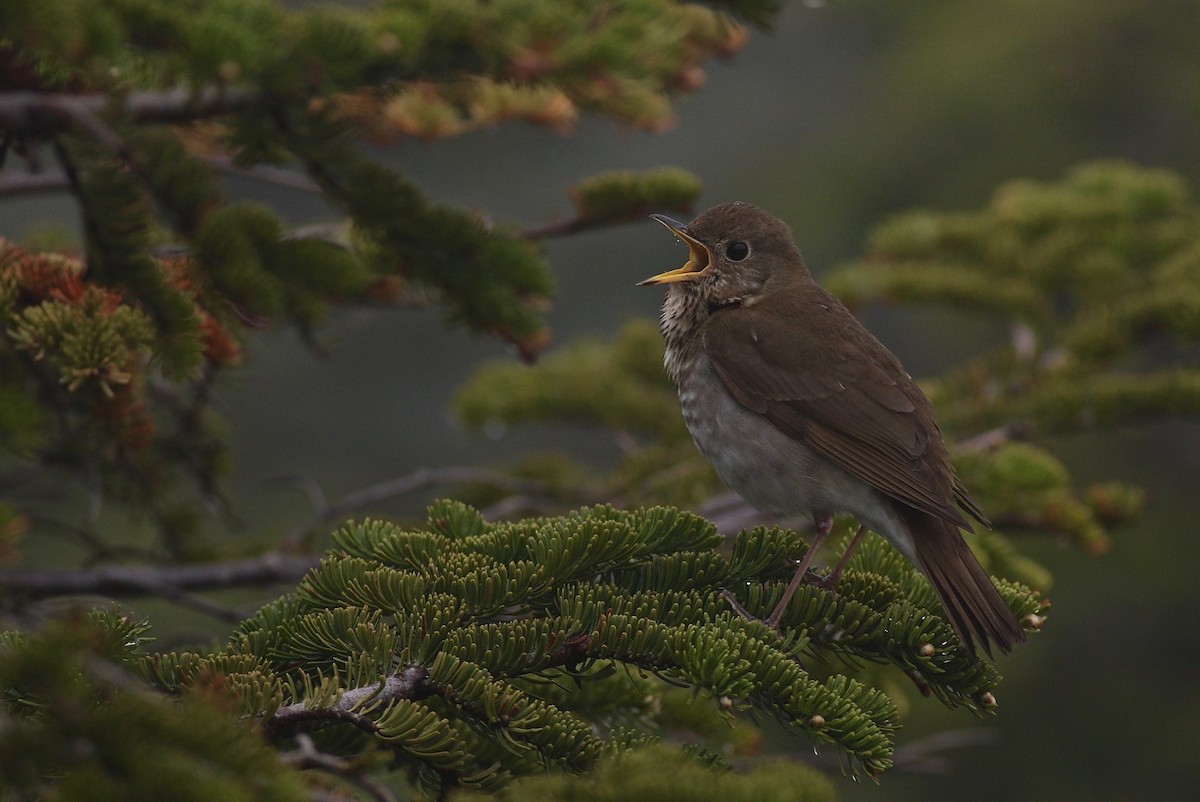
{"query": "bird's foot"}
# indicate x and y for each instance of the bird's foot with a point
(824, 524)
(776, 616)
(830, 580)
(771, 621)
(823, 581)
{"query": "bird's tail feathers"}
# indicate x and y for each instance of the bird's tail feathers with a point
(971, 601)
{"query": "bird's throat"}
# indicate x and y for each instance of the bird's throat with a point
(683, 315)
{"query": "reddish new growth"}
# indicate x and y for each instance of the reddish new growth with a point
(120, 409)
(221, 348)
(127, 420)
(218, 344)
(42, 277)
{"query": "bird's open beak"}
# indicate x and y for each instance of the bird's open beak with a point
(699, 257)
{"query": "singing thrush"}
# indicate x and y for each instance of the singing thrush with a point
(800, 409)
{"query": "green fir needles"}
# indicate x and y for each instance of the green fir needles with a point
(474, 652)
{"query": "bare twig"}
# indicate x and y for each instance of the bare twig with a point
(85, 117)
(559, 228)
(993, 438)
(264, 173)
(198, 603)
(307, 756)
(177, 583)
(333, 233)
(99, 549)
(578, 223)
(144, 580)
(518, 502)
(926, 756)
(110, 674)
(730, 513)
(43, 113)
(31, 183)
(420, 479)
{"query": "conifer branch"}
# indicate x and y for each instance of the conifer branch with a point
(410, 682)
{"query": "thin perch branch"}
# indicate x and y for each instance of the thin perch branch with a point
(324, 513)
(410, 682)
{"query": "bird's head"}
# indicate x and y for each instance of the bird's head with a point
(735, 251)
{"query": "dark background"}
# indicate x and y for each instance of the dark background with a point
(847, 113)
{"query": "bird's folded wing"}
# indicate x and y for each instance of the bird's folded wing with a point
(839, 392)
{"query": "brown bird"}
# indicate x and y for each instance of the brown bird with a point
(800, 409)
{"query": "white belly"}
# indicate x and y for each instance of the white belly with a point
(771, 470)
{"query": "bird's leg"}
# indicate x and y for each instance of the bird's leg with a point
(824, 522)
(830, 582)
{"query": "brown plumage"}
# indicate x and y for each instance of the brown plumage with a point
(800, 408)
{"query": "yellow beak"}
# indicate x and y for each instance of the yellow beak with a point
(699, 257)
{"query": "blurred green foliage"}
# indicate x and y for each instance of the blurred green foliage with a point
(108, 361)
(1095, 275)
(1099, 271)
(472, 652)
(77, 724)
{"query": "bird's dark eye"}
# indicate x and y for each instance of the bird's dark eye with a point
(737, 251)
